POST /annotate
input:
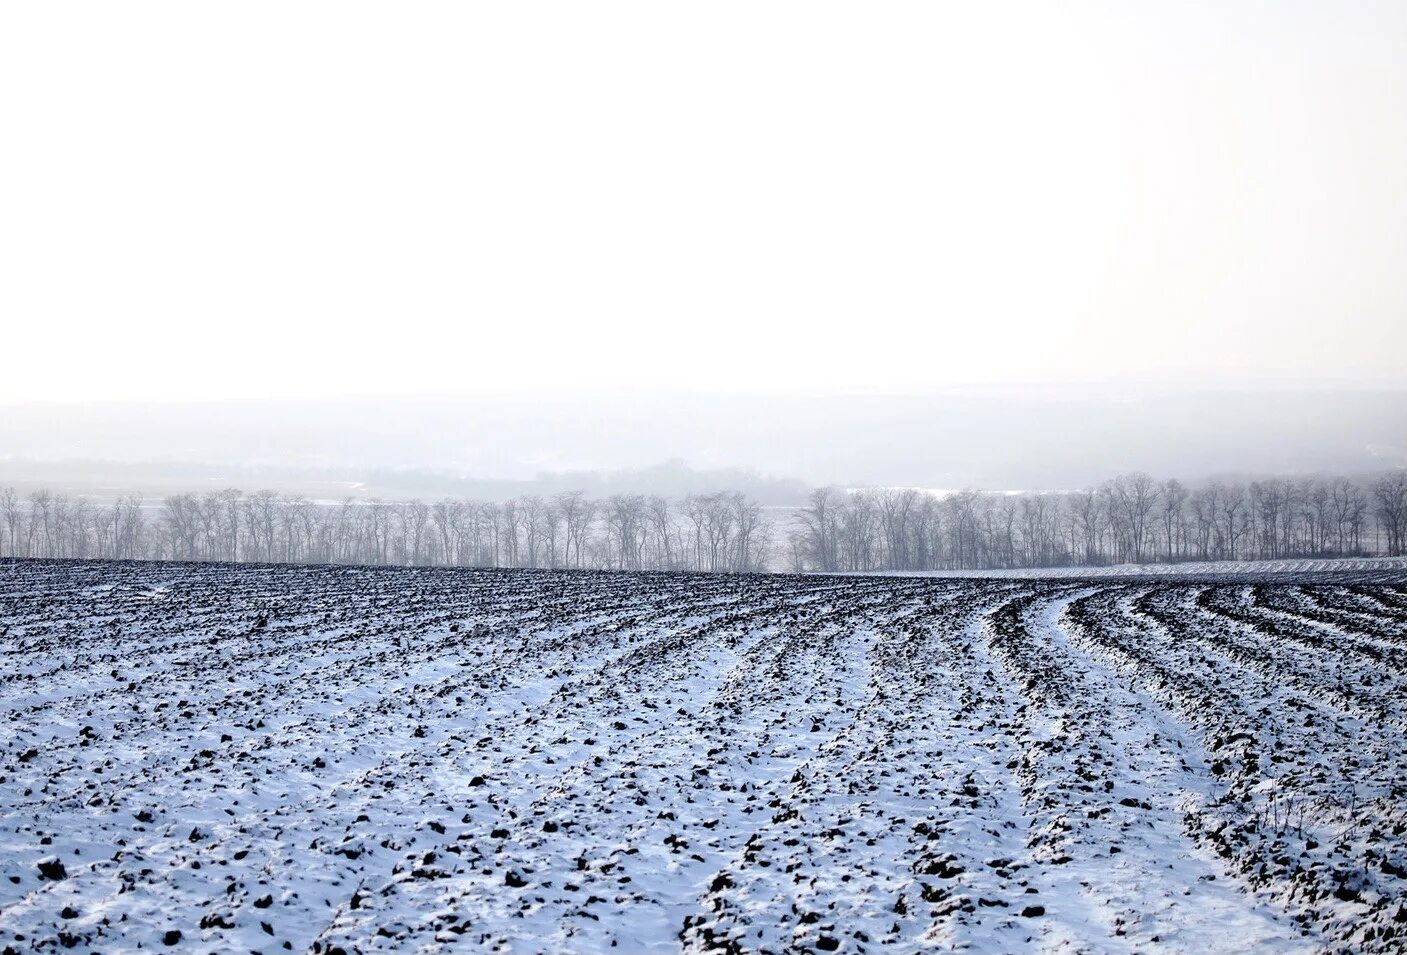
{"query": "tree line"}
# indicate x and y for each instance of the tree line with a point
(723, 531)
(1132, 518)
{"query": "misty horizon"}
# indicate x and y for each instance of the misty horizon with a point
(1049, 440)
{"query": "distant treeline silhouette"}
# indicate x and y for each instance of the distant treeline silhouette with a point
(722, 531)
(1129, 519)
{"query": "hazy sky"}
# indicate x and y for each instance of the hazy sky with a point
(995, 441)
(259, 199)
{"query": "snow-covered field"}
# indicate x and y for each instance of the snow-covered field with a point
(1324, 569)
(244, 758)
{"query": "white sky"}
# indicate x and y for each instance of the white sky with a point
(254, 199)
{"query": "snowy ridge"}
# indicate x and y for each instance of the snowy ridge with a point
(246, 758)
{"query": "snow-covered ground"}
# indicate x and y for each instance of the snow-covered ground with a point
(244, 758)
(1351, 568)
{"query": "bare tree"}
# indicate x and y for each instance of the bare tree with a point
(1390, 493)
(1134, 497)
(577, 513)
(660, 516)
(625, 521)
(10, 512)
(749, 532)
(818, 522)
(1172, 498)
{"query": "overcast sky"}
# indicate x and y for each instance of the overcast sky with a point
(264, 199)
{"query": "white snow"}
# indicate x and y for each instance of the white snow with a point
(267, 759)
